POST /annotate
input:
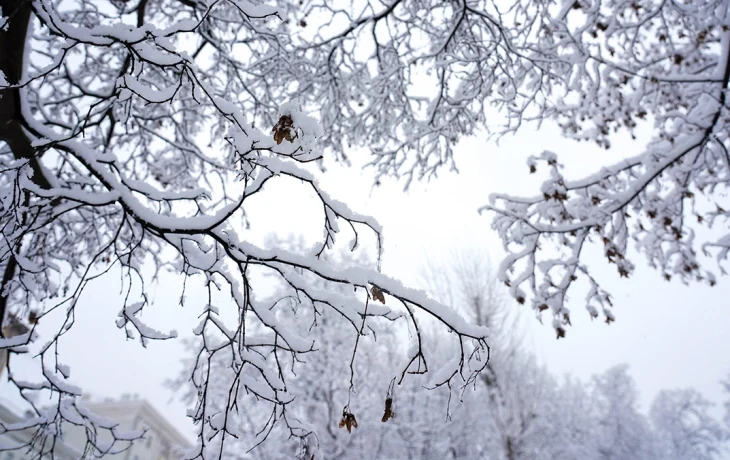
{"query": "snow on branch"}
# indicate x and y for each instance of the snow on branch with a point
(133, 136)
(595, 69)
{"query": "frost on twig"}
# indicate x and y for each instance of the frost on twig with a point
(595, 69)
(132, 138)
(654, 203)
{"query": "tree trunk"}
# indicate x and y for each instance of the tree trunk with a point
(12, 54)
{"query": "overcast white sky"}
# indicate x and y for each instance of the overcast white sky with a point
(670, 334)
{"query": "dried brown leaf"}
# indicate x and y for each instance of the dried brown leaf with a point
(377, 294)
(388, 410)
(284, 129)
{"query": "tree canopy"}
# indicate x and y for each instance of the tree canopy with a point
(516, 409)
(133, 135)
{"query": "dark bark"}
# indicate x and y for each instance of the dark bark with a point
(12, 52)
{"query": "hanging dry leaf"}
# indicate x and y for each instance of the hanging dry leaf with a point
(352, 422)
(284, 129)
(33, 317)
(388, 410)
(348, 421)
(377, 294)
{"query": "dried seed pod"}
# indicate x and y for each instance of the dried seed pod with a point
(351, 422)
(33, 317)
(377, 294)
(284, 129)
(348, 420)
(388, 410)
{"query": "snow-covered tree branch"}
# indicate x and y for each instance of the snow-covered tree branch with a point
(133, 136)
(409, 79)
(516, 409)
(660, 61)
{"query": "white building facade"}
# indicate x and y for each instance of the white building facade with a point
(61, 451)
(162, 441)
